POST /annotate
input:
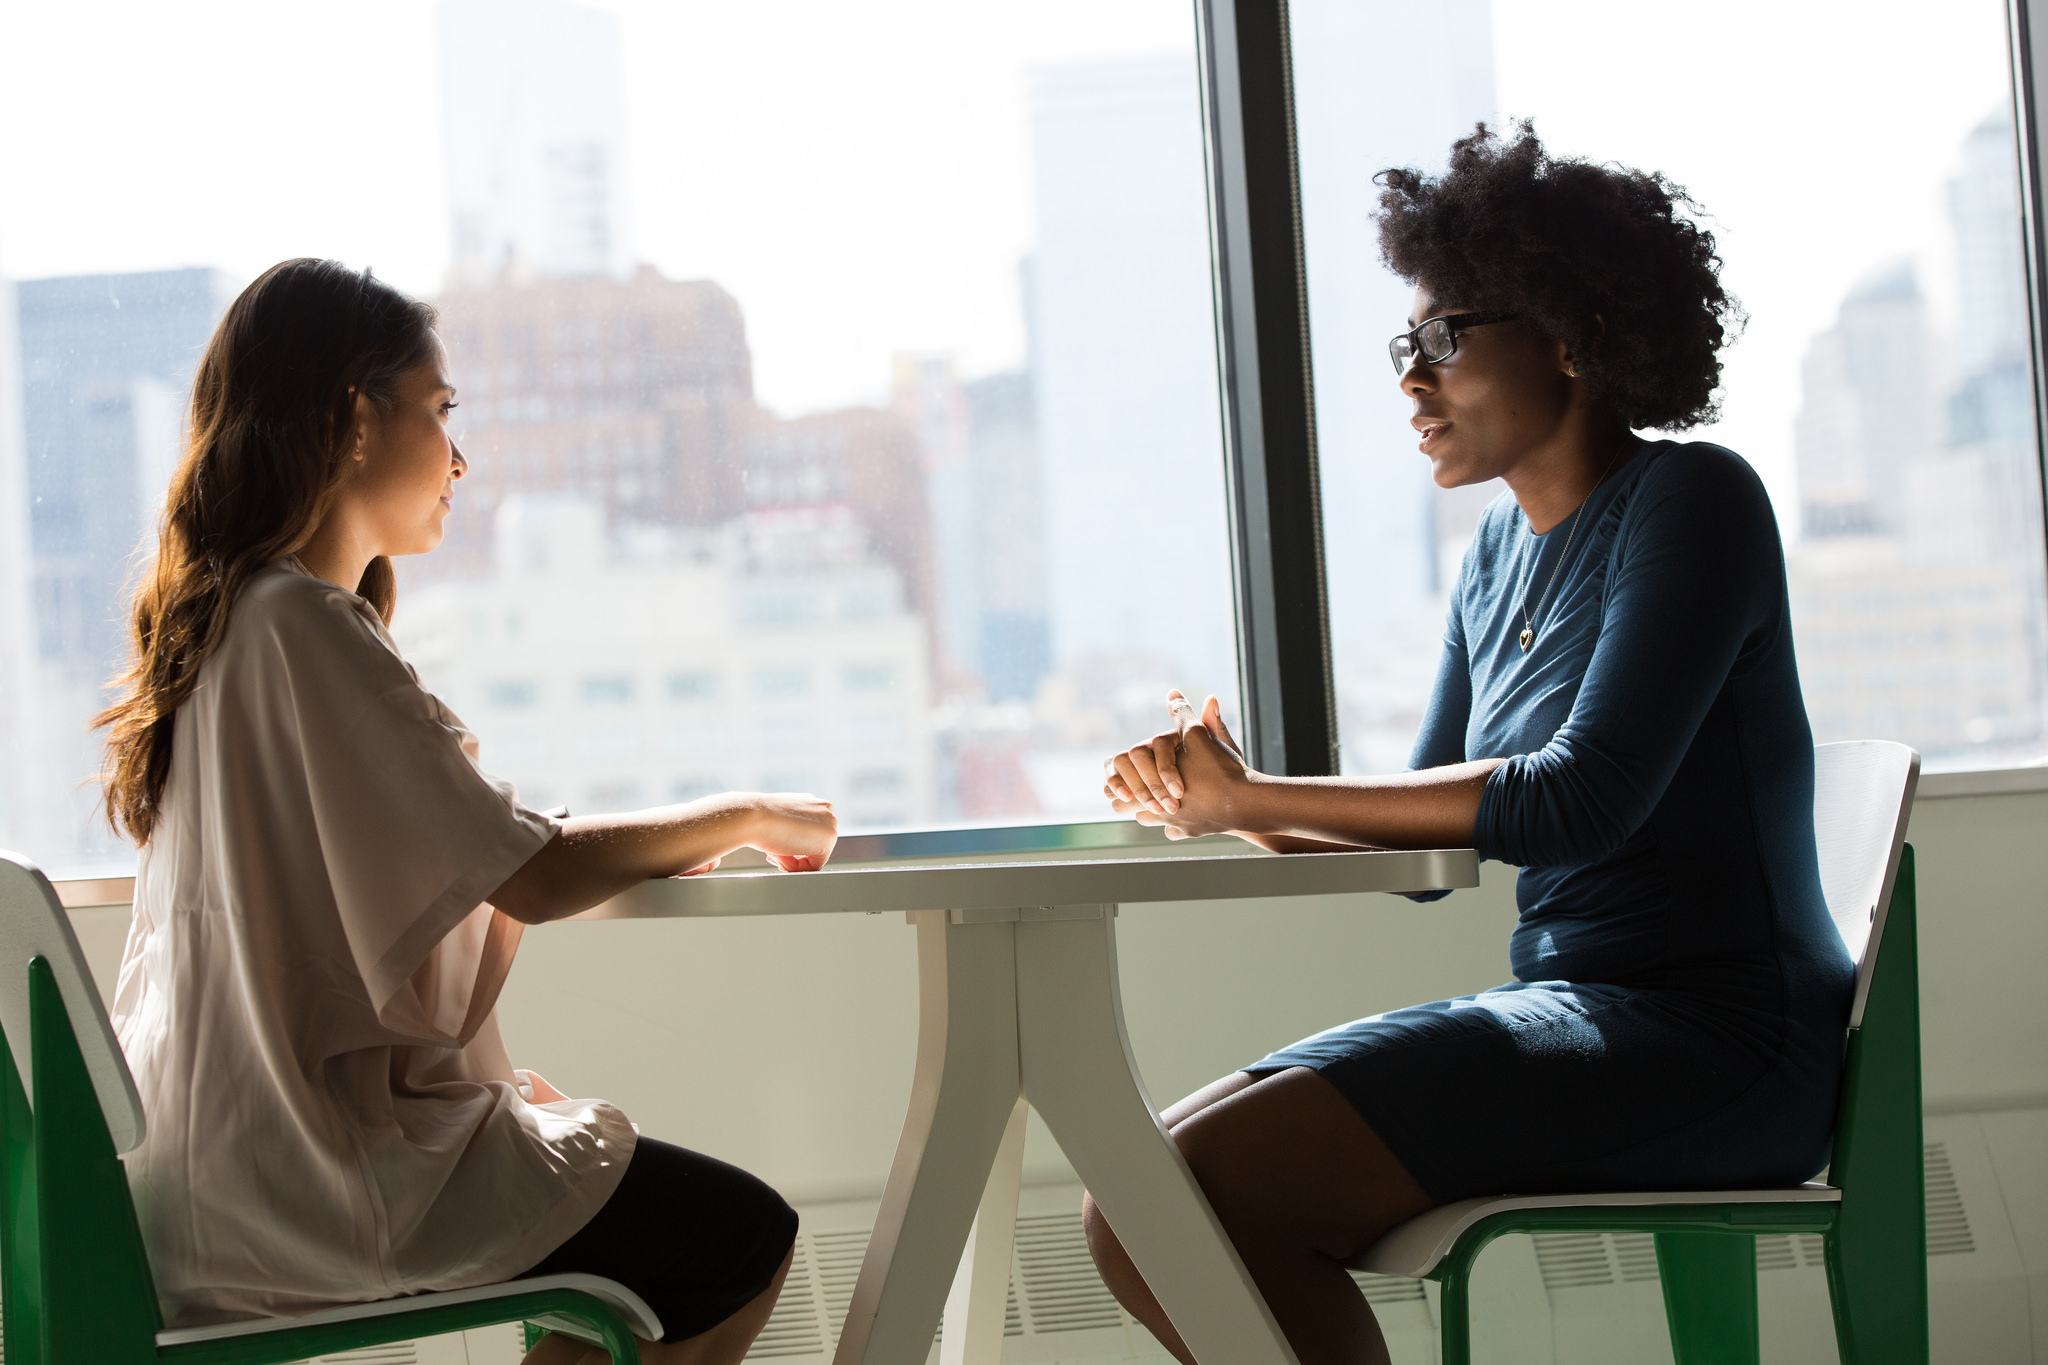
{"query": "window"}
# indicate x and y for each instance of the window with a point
(611, 690)
(512, 694)
(1862, 182)
(692, 687)
(828, 340)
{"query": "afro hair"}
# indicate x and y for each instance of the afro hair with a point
(1605, 259)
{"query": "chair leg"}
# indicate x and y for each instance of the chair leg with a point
(1879, 1293)
(1709, 1296)
(1454, 1314)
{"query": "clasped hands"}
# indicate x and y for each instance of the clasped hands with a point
(1191, 779)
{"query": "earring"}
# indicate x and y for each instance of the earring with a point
(1571, 369)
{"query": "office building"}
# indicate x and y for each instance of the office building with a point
(637, 393)
(1124, 370)
(107, 364)
(534, 136)
(1015, 637)
(1916, 587)
(925, 393)
(612, 671)
(1379, 84)
(1868, 408)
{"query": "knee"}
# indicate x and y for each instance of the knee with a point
(1112, 1262)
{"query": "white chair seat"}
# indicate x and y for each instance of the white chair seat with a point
(1413, 1249)
(629, 1306)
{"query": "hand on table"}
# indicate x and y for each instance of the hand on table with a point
(795, 829)
(1191, 779)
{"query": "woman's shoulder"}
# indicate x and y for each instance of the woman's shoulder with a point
(1692, 473)
(284, 609)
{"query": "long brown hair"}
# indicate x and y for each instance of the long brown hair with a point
(269, 434)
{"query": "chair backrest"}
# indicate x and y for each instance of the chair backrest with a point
(33, 924)
(1862, 798)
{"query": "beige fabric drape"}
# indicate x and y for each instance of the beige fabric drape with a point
(306, 997)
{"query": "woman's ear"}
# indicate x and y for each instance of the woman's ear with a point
(363, 414)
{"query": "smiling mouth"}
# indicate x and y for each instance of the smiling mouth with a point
(1430, 431)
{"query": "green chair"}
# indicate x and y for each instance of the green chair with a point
(75, 1286)
(1870, 1212)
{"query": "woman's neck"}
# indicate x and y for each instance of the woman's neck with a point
(1551, 483)
(335, 553)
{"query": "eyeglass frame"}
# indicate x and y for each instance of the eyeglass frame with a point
(1456, 322)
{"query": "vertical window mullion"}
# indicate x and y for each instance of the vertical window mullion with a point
(1273, 487)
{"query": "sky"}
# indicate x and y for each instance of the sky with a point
(859, 176)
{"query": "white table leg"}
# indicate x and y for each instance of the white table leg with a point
(1079, 1075)
(962, 1099)
(981, 1286)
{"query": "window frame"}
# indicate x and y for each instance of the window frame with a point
(1272, 484)
(2027, 34)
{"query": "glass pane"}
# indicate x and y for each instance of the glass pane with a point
(838, 381)
(1866, 206)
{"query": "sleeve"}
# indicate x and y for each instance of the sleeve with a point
(410, 833)
(1441, 740)
(1698, 570)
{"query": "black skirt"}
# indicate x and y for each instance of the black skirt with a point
(697, 1238)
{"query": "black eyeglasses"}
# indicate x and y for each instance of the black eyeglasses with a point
(1436, 339)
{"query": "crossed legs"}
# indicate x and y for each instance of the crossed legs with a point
(1301, 1184)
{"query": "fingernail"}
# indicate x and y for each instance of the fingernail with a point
(1175, 790)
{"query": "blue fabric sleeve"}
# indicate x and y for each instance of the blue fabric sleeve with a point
(1441, 740)
(1697, 568)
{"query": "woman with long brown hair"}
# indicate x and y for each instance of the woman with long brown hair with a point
(330, 890)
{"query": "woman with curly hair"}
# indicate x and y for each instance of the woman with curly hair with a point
(1617, 713)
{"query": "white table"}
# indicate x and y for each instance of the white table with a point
(1018, 1003)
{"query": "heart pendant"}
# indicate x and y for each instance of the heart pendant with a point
(1528, 638)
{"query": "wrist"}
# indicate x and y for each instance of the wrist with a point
(1260, 805)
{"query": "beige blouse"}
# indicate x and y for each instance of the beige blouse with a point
(307, 994)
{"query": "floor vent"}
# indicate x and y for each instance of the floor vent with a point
(1053, 1288)
(1380, 1289)
(1635, 1255)
(1776, 1251)
(835, 1257)
(1948, 1226)
(793, 1328)
(1573, 1260)
(1577, 1260)
(1062, 1292)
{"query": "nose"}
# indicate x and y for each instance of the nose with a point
(458, 465)
(1419, 378)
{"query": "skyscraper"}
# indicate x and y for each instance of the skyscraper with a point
(107, 362)
(1009, 531)
(533, 117)
(1124, 363)
(1378, 83)
(636, 393)
(1867, 409)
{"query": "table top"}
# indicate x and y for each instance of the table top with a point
(1004, 883)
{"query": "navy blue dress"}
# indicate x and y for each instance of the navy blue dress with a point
(1680, 1000)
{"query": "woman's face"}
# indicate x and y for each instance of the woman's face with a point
(406, 464)
(1500, 396)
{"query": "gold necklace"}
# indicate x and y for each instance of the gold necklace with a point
(1528, 636)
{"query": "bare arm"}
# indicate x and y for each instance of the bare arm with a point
(1193, 781)
(595, 857)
